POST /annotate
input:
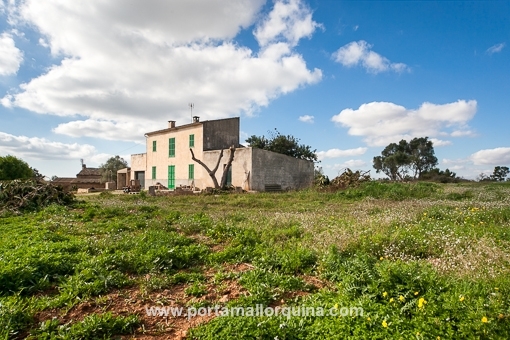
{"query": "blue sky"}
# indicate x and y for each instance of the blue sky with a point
(87, 80)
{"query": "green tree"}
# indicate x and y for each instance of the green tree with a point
(422, 155)
(110, 168)
(397, 160)
(500, 173)
(287, 145)
(12, 167)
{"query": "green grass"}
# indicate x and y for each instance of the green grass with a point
(382, 247)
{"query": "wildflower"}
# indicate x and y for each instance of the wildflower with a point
(461, 298)
(416, 293)
(384, 324)
(424, 214)
(438, 338)
(485, 320)
(369, 319)
(496, 288)
(381, 258)
(385, 294)
(336, 305)
(391, 300)
(421, 302)
(401, 298)
(501, 316)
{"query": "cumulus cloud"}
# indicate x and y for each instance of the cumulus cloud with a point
(381, 123)
(335, 153)
(110, 130)
(351, 164)
(496, 48)
(360, 53)
(306, 119)
(41, 148)
(290, 20)
(10, 56)
(497, 156)
(440, 142)
(144, 61)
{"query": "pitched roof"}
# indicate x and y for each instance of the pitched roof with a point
(90, 172)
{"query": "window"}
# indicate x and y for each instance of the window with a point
(191, 171)
(171, 147)
(191, 141)
(153, 172)
(154, 146)
(171, 177)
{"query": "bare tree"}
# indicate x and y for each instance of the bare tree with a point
(212, 173)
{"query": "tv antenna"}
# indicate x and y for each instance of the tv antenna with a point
(191, 107)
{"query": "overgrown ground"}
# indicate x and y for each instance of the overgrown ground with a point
(424, 261)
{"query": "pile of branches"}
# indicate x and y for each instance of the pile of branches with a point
(350, 179)
(21, 195)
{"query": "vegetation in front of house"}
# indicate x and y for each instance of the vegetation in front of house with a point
(423, 260)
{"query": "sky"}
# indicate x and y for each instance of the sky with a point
(86, 79)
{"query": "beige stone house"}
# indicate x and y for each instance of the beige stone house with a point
(87, 178)
(168, 162)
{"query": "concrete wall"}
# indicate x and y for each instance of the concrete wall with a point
(139, 161)
(221, 134)
(274, 168)
(241, 167)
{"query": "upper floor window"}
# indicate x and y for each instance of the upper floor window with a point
(171, 147)
(191, 141)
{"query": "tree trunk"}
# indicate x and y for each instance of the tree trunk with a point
(223, 183)
(212, 173)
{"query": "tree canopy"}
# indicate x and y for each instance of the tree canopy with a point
(110, 168)
(287, 145)
(398, 160)
(12, 168)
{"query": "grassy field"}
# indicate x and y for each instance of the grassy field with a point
(423, 261)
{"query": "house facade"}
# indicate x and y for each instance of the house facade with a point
(168, 163)
(87, 178)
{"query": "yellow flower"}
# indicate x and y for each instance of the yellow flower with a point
(336, 305)
(461, 298)
(384, 324)
(501, 316)
(421, 302)
(416, 293)
(369, 319)
(384, 294)
(424, 214)
(381, 258)
(485, 320)
(438, 337)
(417, 333)
(391, 300)
(496, 288)
(401, 298)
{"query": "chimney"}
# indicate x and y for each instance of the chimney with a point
(84, 166)
(196, 119)
(171, 124)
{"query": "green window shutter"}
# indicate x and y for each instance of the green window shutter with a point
(171, 147)
(171, 177)
(191, 141)
(191, 171)
(153, 172)
(154, 146)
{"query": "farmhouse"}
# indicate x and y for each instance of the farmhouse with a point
(87, 178)
(168, 161)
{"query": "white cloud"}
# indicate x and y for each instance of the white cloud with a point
(290, 20)
(359, 52)
(110, 130)
(440, 142)
(351, 164)
(463, 133)
(382, 123)
(40, 148)
(496, 48)
(497, 156)
(306, 119)
(144, 61)
(335, 153)
(10, 56)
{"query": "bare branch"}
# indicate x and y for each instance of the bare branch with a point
(227, 167)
